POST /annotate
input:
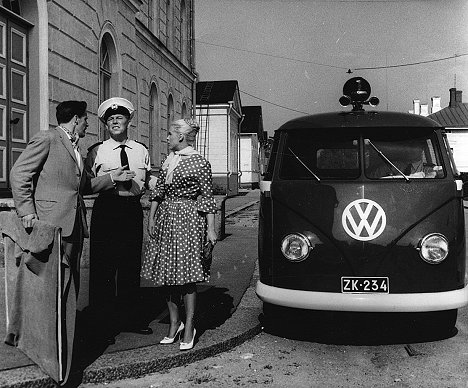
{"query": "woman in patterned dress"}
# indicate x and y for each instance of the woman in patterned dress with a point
(181, 222)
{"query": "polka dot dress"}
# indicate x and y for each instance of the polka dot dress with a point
(174, 256)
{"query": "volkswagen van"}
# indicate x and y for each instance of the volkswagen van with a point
(362, 211)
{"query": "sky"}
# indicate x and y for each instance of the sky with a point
(292, 56)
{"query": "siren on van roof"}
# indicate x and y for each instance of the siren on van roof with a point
(356, 91)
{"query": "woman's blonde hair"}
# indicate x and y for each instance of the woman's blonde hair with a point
(188, 127)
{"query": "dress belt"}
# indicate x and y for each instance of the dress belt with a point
(180, 200)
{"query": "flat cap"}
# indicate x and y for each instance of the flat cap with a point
(115, 105)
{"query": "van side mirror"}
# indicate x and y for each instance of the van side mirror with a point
(464, 178)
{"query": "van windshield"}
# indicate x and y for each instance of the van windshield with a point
(410, 156)
(335, 154)
(310, 154)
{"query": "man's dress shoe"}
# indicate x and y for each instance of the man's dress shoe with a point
(139, 330)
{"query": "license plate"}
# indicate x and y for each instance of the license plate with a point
(364, 285)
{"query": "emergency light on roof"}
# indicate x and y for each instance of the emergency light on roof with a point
(356, 91)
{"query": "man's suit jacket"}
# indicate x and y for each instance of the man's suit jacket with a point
(47, 180)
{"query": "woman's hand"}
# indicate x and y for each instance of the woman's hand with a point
(151, 227)
(211, 236)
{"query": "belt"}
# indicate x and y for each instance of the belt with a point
(180, 199)
(120, 198)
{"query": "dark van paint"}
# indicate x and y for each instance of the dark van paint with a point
(364, 235)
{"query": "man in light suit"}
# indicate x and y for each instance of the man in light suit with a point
(48, 181)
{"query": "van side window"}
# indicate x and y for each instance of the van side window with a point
(328, 155)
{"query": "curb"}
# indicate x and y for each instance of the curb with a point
(238, 209)
(240, 327)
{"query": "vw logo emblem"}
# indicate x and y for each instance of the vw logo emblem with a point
(364, 219)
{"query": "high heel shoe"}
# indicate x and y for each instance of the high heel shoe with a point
(188, 345)
(169, 340)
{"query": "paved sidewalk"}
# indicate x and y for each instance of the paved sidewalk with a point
(228, 311)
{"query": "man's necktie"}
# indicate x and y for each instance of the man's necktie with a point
(124, 162)
(74, 141)
(73, 137)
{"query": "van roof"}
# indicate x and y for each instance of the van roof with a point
(359, 119)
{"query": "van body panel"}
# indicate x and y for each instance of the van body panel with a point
(362, 119)
(322, 183)
(319, 207)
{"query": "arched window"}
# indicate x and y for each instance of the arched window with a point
(105, 71)
(184, 110)
(183, 32)
(154, 130)
(108, 82)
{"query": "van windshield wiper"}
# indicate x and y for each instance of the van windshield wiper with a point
(300, 161)
(385, 158)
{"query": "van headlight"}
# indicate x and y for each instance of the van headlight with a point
(296, 247)
(433, 248)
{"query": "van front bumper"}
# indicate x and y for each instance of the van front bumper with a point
(311, 300)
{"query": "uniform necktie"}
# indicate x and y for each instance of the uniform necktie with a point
(124, 163)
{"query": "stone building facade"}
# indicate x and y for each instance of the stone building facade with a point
(91, 50)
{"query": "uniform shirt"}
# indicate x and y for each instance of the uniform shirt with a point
(103, 158)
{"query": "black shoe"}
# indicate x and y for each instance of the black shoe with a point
(139, 330)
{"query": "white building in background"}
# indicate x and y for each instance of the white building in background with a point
(219, 113)
(251, 147)
(454, 118)
(248, 156)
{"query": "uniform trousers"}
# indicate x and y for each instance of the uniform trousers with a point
(116, 236)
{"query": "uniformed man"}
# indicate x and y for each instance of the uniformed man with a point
(117, 223)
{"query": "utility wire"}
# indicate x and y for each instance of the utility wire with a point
(272, 103)
(271, 55)
(333, 66)
(412, 63)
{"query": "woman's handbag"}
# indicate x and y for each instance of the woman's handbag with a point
(207, 256)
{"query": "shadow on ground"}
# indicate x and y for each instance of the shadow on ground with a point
(349, 328)
(214, 307)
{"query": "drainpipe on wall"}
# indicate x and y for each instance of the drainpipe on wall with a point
(239, 172)
(228, 169)
(192, 62)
